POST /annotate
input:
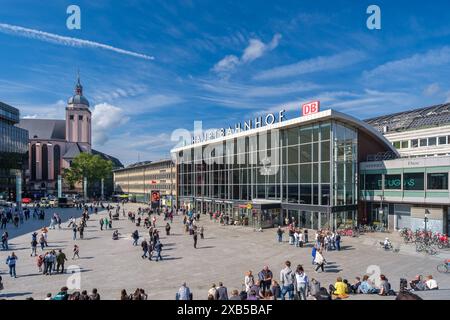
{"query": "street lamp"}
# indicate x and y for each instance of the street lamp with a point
(425, 219)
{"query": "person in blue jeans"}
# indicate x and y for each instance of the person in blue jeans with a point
(11, 262)
(287, 281)
(313, 254)
(280, 234)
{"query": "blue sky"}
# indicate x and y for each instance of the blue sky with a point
(219, 62)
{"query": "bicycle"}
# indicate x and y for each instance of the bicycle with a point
(444, 267)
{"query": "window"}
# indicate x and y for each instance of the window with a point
(396, 144)
(423, 142)
(80, 118)
(414, 143)
(393, 181)
(71, 117)
(373, 182)
(432, 141)
(413, 181)
(437, 181)
(442, 140)
(405, 144)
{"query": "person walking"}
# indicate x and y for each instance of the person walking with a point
(81, 230)
(49, 263)
(60, 260)
(158, 249)
(34, 244)
(319, 260)
(195, 239)
(106, 223)
(76, 252)
(301, 283)
(101, 224)
(135, 236)
(287, 281)
(74, 231)
(168, 229)
(11, 262)
(202, 232)
(144, 246)
(42, 242)
(5, 237)
(338, 242)
(313, 253)
(280, 234)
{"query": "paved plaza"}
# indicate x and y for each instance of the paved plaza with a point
(225, 254)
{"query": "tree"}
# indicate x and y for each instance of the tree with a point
(86, 165)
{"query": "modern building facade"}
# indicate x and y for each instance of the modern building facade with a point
(13, 149)
(423, 132)
(262, 172)
(53, 144)
(403, 192)
(138, 181)
(408, 191)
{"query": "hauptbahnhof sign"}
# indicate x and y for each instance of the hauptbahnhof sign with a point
(250, 124)
(258, 122)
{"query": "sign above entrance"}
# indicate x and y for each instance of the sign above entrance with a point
(310, 108)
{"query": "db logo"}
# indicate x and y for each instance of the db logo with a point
(310, 108)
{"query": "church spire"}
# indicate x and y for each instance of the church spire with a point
(78, 87)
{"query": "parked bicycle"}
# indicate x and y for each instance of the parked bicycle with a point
(444, 267)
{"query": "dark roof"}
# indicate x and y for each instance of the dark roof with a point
(427, 117)
(144, 163)
(73, 151)
(116, 162)
(45, 129)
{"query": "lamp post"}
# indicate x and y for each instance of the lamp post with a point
(425, 219)
(381, 210)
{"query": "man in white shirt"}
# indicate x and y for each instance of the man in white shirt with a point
(431, 283)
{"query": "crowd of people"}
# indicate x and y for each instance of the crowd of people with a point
(293, 283)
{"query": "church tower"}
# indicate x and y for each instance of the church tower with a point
(78, 118)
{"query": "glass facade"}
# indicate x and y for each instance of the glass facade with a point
(13, 148)
(302, 167)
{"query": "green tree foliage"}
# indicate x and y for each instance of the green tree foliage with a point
(93, 167)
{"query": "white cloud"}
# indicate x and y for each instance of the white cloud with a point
(432, 89)
(226, 64)
(105, 118)
(66, 41)
(48, 111)
(30, 116)
(317, 64)
(407, 66)
(255, 49)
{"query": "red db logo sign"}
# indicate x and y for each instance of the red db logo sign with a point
(311, 107)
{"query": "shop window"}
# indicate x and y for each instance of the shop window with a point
(437, 181)
(405, 144)
(413, 181)
(396, 144)
(442, 140)
(373, 182)
(393, 181)
(414, 143)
